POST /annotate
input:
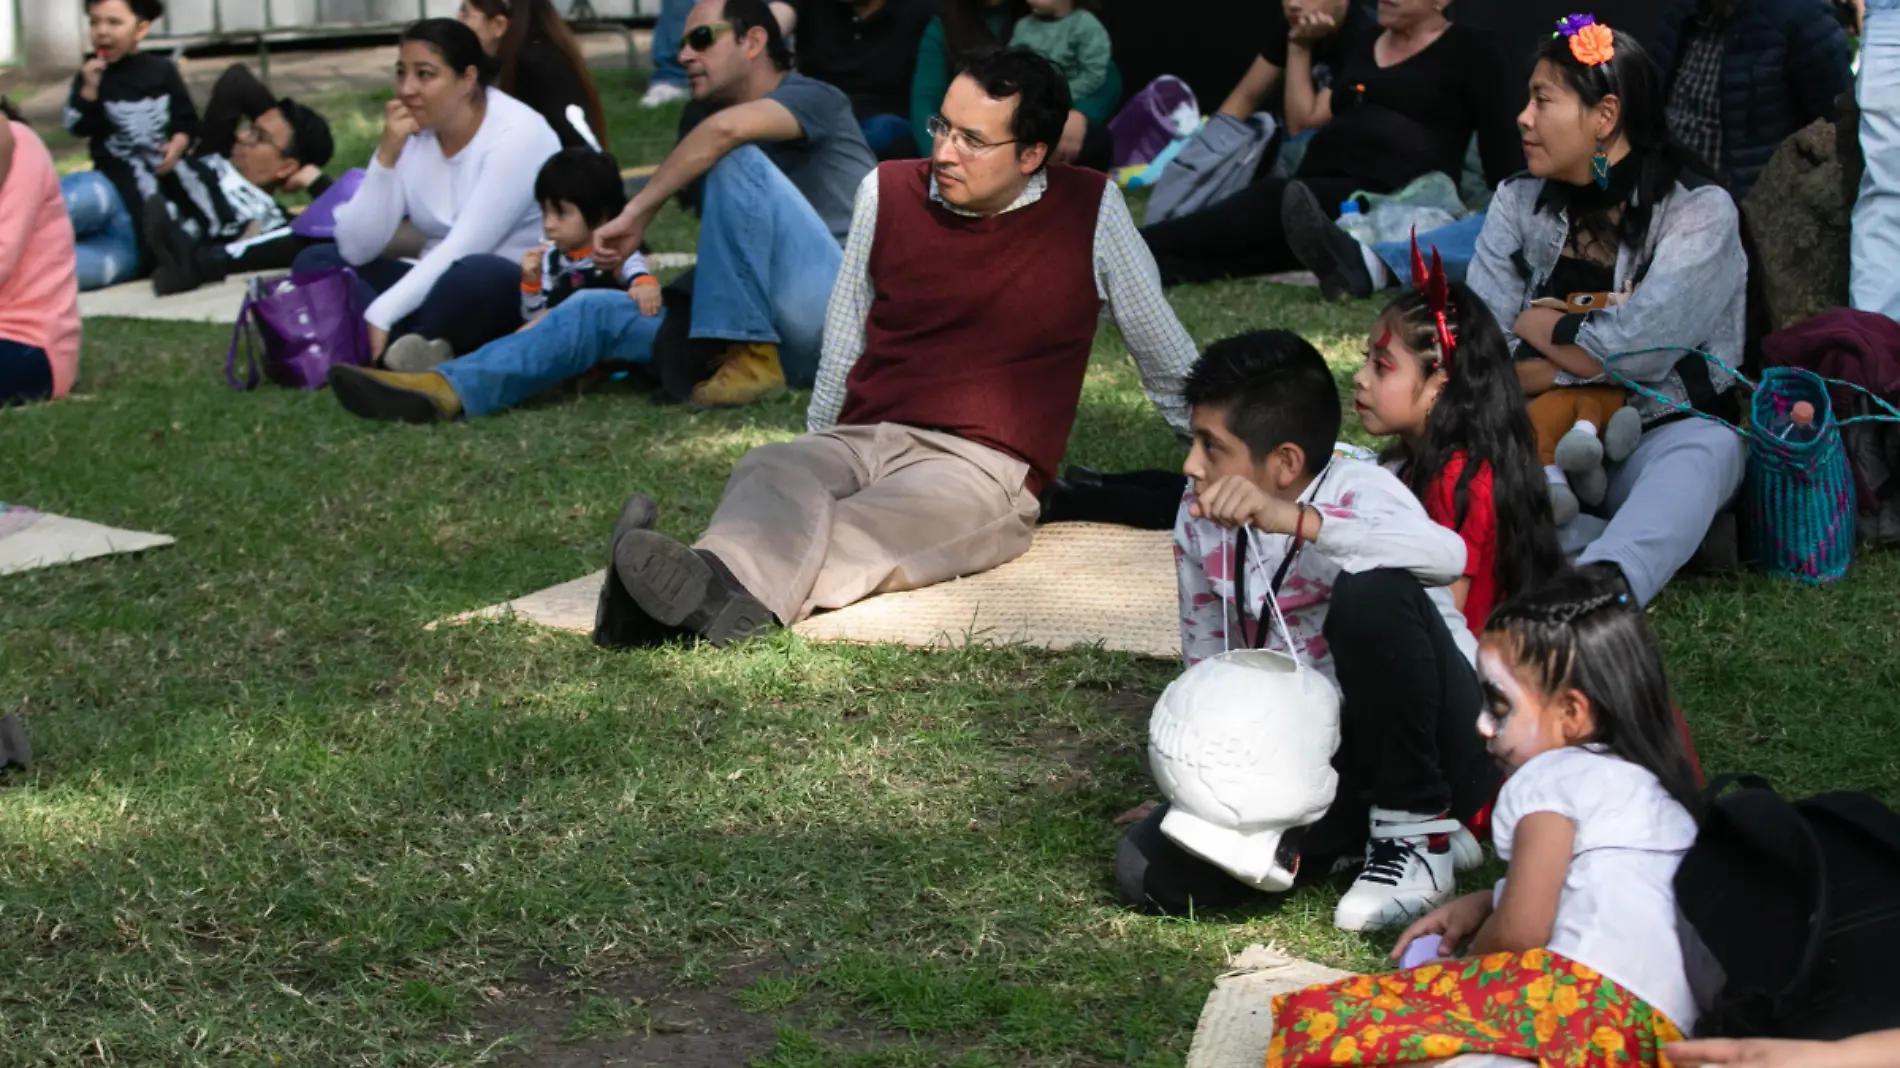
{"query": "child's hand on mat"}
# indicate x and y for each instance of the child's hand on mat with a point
(1454, 922)
(1235, 501)
(646, 293)
(1760, 1053)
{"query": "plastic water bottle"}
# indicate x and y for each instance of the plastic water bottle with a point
(1798, 428)
(1354, 222)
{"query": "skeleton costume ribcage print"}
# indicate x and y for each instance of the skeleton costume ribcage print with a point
(142, 103)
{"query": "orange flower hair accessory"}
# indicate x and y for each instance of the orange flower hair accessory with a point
(1591, 43)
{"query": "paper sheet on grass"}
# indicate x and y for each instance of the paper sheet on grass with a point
(1079, 584)
(1237, 1021)
(30, 539)
(216, 303)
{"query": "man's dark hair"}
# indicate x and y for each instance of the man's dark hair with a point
(1041, 92)
(744, 16)
(143, 10)
(1275, 388)
(310, 140)
(587, 179)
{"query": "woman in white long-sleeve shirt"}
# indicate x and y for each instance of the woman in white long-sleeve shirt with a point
(458, 159)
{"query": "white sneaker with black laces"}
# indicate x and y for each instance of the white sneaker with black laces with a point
(1411, 868)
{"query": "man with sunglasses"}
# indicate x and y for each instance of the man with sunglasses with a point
(775, 158)
(955, 346)
(251, 145)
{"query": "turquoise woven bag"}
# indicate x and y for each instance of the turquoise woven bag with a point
(1799, 492)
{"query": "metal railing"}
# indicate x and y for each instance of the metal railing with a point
(581, 17)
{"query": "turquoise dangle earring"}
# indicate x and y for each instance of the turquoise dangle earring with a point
(1600, 167)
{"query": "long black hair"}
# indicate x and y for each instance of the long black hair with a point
(1481, 412)
(1584, 631)
(1658, 160)
(536, 20)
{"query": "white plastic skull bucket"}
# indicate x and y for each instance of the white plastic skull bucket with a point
(1242, 744)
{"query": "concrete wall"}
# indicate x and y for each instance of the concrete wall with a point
(54, 31)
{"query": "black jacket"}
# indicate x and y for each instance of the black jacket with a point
(1783, 64)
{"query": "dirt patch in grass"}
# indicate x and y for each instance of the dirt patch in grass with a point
(655, 1016)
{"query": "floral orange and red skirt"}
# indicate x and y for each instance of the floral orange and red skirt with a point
(1536, 1006)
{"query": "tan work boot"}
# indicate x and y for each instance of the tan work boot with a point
(393, 396)
(749, 371)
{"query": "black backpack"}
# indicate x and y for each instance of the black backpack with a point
(1799, 901)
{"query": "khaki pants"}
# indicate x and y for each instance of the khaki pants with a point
(831, 518)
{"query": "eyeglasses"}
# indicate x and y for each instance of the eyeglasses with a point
(253, 134)
(966, 145)
(700, 38)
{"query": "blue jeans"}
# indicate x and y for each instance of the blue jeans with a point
(889, 136)
(106, 251)
(591, 327)
(1456, 245)
(1874, 249)
(666, 42)
(477, 300)
(766, 263)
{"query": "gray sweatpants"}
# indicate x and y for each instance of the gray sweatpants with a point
(1661, 502)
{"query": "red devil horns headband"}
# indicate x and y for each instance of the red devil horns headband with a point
(1437, 290)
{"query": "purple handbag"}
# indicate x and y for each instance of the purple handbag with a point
(306, 323)
(1146, 124)
(318, 221)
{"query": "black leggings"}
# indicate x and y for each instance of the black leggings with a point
(1409, 741)
(1145, 500)
(1238, 237)
(25, 374)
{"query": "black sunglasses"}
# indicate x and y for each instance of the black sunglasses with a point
(700, 38)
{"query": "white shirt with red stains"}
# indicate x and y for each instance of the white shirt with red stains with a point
(1372, 521)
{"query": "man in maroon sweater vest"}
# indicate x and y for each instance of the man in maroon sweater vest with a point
(955, 345)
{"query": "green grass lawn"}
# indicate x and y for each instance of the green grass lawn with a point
(275, 821)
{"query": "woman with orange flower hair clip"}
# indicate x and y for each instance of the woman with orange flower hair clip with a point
(1613, 204)
(1574, 958)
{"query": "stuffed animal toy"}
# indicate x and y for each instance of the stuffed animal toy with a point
(1579, 428)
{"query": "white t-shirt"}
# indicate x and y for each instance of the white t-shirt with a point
(481, 200)
(1617, 912)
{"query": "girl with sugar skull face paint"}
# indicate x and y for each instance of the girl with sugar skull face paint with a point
(1578, 943)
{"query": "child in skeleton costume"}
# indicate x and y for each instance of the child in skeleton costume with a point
(132, 106)
(1574, 959)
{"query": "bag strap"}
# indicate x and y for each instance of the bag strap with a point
(1243, 539)
(1721, 783)
(242, 331)
(1864, 813)
(1889, 413)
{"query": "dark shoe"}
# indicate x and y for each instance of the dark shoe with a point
(15, 750)
(1322, 246)
(619, 622)
(393, 397)
(172, 248)
(1721, 549)
(680, 586)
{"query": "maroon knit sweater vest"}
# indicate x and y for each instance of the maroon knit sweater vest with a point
(980, 327)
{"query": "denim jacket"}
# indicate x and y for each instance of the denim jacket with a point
(1692, 293)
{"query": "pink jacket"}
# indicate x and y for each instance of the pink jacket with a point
(39, 294)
